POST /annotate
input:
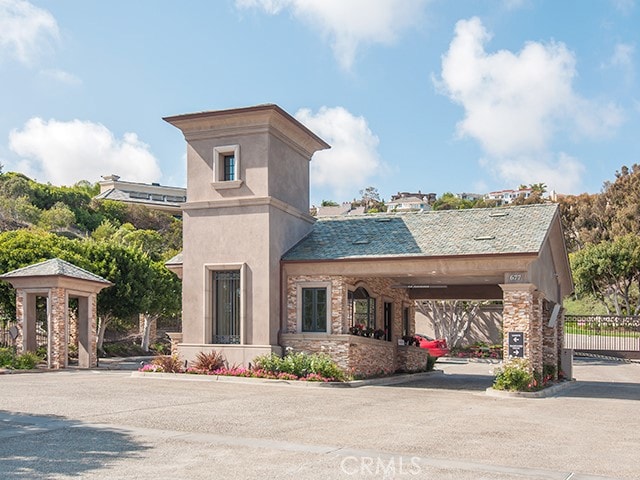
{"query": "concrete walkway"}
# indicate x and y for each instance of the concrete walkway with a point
(105, 424)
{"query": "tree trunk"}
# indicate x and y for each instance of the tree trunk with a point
(103, 323)
(147, 321)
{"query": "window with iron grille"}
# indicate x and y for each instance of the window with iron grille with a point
(226, 306)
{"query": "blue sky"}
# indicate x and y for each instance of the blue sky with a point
(437, 96)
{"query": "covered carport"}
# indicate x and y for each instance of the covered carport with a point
(512, 254)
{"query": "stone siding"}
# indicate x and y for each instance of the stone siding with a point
(58, 334)
(411, 359)
(21, 304)
(522, 312)
(360, 356)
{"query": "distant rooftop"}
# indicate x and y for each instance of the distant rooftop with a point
(152, 195)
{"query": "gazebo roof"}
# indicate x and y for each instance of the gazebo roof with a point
(55, 267)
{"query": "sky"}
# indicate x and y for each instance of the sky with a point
(413, 95)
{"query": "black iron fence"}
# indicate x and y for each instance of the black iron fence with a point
(602, 332)
(9, 332)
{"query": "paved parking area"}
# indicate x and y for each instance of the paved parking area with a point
(106, 425)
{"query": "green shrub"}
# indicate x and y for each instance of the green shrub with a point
(515, 376)
(27, 361)
(301, 365)
(7, 356)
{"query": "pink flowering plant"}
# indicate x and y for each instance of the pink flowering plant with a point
(317, 367)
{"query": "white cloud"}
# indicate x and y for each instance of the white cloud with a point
(66, 152)
(353, 157)
(623, 55)
(349, 24)
(26, 31)
(624, 6)
(61, 76)
(516, 104)
(560, 172)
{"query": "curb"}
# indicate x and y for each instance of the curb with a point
(547, 392)
(185, 377)
(13, 371)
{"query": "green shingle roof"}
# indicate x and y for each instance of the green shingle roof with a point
(55, 267)
(517, 229)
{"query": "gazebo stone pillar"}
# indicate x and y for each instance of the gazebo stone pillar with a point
(58, 328)
(522, 312)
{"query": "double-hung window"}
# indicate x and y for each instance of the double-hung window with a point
(229, 168)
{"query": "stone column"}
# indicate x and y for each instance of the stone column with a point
(73, 326)
(93, 330)
(522, 312)
(21, 314)
(58, 325)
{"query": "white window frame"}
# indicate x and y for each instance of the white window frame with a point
(299, 288)
(219, 183)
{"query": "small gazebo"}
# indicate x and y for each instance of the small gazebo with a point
(57, 281)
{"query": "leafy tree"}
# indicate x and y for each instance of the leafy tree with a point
(20, 248)
(139, 284)
(329, 203)
(371, 200)
(19, 209)
(449, 201)
(58, 217)
(105, 231)
(162, 299)
(584, 220)
(622, 201)
(610, 272)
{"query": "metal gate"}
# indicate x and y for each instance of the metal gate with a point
(602, 332)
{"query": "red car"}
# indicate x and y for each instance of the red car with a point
(436, 347)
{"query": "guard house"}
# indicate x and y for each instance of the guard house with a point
(260, 275)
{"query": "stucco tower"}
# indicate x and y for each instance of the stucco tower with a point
(247, 204)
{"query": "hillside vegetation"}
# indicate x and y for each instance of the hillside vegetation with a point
(126, 244)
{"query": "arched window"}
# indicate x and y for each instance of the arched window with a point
(362, 308)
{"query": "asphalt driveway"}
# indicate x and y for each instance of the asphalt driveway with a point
(106, 425)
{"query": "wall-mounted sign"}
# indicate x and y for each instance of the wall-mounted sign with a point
(516, 344)
(516, 277)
